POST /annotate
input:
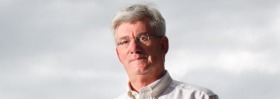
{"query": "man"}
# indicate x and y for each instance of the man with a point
(141, 46)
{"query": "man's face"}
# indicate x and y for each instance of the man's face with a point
(139, 55)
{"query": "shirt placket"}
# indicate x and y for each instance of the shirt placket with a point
(145, 93)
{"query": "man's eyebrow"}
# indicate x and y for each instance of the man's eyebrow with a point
(127, 37)
(142, 33)
(123, 37)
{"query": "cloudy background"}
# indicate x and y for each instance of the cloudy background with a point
(63, 49)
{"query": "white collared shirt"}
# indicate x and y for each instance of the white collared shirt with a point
(167, 88)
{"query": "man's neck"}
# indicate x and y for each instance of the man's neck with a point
(141, 81)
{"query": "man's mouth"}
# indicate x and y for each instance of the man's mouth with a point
(138, 57)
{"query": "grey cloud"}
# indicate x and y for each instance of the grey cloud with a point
(249, 84)
(63, 48)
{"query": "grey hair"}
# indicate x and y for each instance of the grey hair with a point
(138, 12)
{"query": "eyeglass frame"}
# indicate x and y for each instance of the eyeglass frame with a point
(138, 39)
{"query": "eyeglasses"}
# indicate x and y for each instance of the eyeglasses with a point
(140, 39)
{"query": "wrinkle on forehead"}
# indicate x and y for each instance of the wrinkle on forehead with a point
(131, 29)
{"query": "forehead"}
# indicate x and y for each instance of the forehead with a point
(131, 28)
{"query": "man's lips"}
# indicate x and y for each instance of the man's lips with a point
(138, 57)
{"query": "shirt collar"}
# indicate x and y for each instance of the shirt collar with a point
(157, 87)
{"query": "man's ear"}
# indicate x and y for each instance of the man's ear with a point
(164, 44)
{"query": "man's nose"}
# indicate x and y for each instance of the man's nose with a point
(134, 47)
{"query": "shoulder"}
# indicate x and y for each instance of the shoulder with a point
(193, 90)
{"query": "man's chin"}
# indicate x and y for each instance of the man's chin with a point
(141, 72)
(142, 69)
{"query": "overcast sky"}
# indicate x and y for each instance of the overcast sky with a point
(64, 49)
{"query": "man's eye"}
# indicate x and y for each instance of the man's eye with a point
(143, 38)
(123, 42)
